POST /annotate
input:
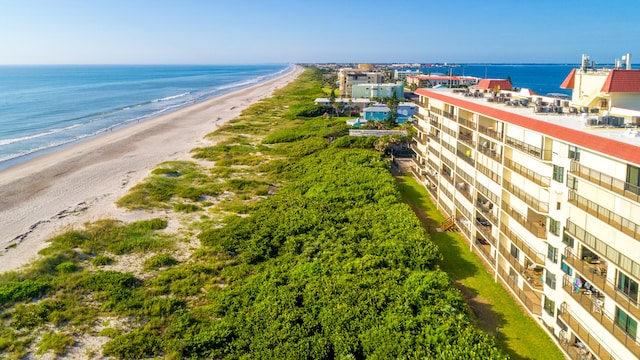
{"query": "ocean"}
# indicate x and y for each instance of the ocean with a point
(541, 78)
(45, 107)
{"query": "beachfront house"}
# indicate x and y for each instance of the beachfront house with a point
(377, 112)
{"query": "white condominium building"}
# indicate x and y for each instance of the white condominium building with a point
(549, 198)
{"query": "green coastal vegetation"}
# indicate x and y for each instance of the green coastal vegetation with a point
(298, 243)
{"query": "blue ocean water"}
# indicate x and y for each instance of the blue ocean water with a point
(45, 107)
(541, 78)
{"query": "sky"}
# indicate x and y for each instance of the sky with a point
(305, 31)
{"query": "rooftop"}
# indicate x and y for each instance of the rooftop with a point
(619, 142)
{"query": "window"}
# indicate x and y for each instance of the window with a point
(552, 254)
(568, 240)
(515, 252)
(558, 205)
(558, 173)
(550, 280)
(564, 267)
(549, 306)
(633, 179)
(554, 227)
(628, 286)
(626, 323)
(574, 153)
(572, 182)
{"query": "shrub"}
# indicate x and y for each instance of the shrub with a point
(22, 290)
(56, 342)
(67, 267)
(101, 260)
(138, 344)
(160, 260)
(186, 208)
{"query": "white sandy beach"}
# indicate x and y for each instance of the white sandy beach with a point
(80, 183)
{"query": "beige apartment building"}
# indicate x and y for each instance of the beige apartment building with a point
(549, 197)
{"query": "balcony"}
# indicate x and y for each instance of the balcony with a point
(434, 122)
(421, 138)
(484, 248)
(583, 334)
(468, 123)
(417, 125)
(527, 173)
(522, 245)
(490, 132)
(434, 137)
(488, 173)
(532, 150)
(618, 186)
(530, 300)
(448, 162)
(467, 138)
(484, 227)
(449, 115)
(491, 153)
(432, 164)
(468, 159)
(594, 271)
(593, 303)
(614, 220)
(539, 230)
(513, 261)
(417, 174)
(464, 189)
(537, 205)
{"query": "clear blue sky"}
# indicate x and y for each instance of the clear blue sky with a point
(284, 31)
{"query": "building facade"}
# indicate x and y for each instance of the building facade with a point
(368, 91)
(550, 205)
(347, 77)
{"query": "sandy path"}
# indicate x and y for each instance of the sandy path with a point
(80, 183)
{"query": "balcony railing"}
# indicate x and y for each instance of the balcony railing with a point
(594, 305)
(536, 257)
(434, 137)
(418, 174)
(486, 232)
(618, 186)
(487, 193)
(527, 173)
(449, 115)
(490, 132)
(448, 162)
(532, 150)
(422, 139)
(583, 334)
(608, 288)
(491, 153)
(537, 229)
(468, 123)
(467, 139)
(464, 157)
(511, 259)
(604, 250)
(532, 303)
(488, 173)
(433, 164)
(536, 204)
(417, 125)
(485, 250)
(449, 131)
(434, 122)
(614, 220)
(449, 147)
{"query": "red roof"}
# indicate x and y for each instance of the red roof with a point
(600, 144)
(569, 82)
(620, 80)
(495, 84)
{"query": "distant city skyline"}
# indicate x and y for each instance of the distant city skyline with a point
(286, 31)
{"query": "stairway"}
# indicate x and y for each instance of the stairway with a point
(449, 224)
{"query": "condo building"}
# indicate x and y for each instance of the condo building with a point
(546, 190)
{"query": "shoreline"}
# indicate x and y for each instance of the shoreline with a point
(46, 195)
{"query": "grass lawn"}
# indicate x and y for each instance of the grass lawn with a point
(519, 335)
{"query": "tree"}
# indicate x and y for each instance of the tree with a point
(392, 103)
